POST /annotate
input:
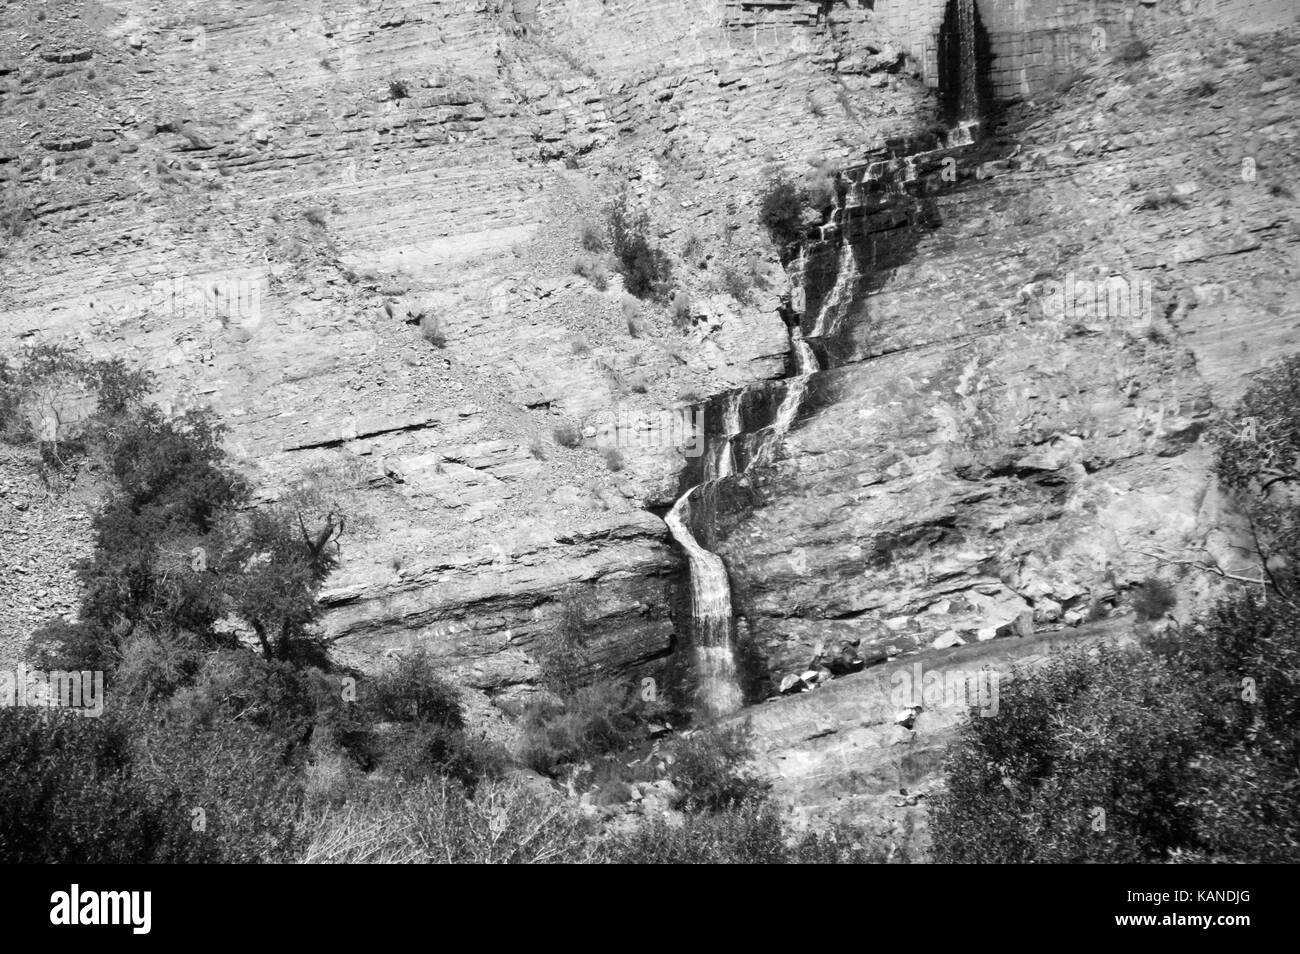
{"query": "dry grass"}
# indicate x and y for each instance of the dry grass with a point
(435, 823)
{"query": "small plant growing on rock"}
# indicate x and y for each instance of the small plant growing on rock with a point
(431, 331)
(397, 89)
(1132, 52)
(14, 213)
(592, 237)
(636, 325)
(682, 309)
(646, 270)
(593, 270)
(567, 435)
(780, 209)
(737, 284)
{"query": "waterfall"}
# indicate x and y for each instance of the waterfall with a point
(715, 660)
(718, 686)
(968, 101)
(836, 303)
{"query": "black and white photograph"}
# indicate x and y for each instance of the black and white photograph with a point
(651, 432)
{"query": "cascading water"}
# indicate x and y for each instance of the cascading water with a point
(715, 660)
(718, 687)
(968, 100)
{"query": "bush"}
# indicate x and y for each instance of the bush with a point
(614, 459)
(430, 736)
(780, 209)
(737, 284)
(682, 309)
(140, 789)
(431, 331)
(567, 435)
(708, 770)
(437, 822)
(592, 269)
(1181, 750)
(1258, 459)
(315, 216)
(15, 213)
(398, 89)
(592, 237)
(1132, 52)
(1153, 598)
(646, 270)
(590, 721)
(751, 833)
(412, 691)
(1077, 741)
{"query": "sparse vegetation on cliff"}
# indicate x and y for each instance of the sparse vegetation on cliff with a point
(646, 270)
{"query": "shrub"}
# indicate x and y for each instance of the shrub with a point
(592, 269)
(562, 656)
(567, 435)
(537, 448)
(436, 822)
(614, 459)
(751, 833)
(15, 213)
(780, 209)
(1257, 449)
(737, 284)
(431, 331)
(398, 89)
(646, 270)
(1153, 598)
(1077, 740)
(708, 770)
(579, 345)
(636, 325)
(429, 736)
(1132, 52)
(682, 309)
(1160, 753)
(315, 216)
(592, 237)
(139, 789)
(590, 721)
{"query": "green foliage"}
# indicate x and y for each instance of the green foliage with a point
(646, 270)
(709, 771)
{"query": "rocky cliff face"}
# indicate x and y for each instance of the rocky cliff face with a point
(267, 205)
